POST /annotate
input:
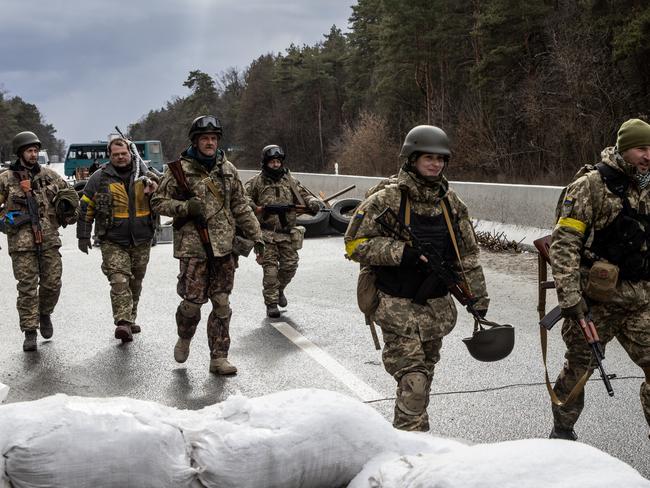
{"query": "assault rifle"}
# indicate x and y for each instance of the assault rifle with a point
(281, 209)
(200, 223)
(32, 210)
(437, 266)
(587, 325)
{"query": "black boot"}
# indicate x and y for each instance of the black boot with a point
(46, 326)
(272, 311)
(566, 434)
(282, 300)
(30, 341)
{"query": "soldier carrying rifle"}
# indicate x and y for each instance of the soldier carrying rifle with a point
(34, 202)
(600, 257)
(276, 197)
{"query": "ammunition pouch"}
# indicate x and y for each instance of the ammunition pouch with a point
(242, 246)
(367, 293)
(601, 283)
(297, 234)
(103, 212)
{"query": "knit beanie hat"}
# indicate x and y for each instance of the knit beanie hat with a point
(633, 133)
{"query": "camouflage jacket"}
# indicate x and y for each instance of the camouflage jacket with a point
(225, 207)
(45, 185)
(262, 190)
(369, 244)
(129, 217)
(588, 206)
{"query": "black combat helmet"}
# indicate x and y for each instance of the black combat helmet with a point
(24, 139)
(272, 151)
(491, 344)
(205, 124)
(427, 139)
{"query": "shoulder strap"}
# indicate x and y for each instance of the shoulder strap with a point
(404, 207)
(295, 191)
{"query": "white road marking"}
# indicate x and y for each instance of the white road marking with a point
(358, 387)
(4, 391)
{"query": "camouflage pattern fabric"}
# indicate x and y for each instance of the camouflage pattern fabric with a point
(125, 268)
(224, 206)
(198, 282)
(413, 333)
(45, 185)
(264, 191)
(279, 264)
(588, 207)
(632, 332)
(38, 293)
(280, 259)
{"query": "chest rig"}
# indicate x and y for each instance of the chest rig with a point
(624, 242)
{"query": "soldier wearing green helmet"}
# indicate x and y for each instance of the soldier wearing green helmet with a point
(413, 332)
(34, 202)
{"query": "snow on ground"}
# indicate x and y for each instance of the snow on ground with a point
(297, 438)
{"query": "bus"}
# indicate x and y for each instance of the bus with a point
(81, 156)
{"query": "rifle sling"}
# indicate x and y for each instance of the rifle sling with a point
(294, 189)
(452, 234)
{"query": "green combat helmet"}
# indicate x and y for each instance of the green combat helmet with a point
(23, 139)
(427, 139)
(205, 124)
(491, 344)
(66, 203)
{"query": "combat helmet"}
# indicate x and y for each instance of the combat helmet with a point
(427, 139)
(23, 139)
(205, 124)
(272, 151)
(490, 344)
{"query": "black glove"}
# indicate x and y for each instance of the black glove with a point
(410, 257)
(85, 245)
(577, 311)
(194, 207)
(482, 312)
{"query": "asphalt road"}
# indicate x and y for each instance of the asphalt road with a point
(479, 402)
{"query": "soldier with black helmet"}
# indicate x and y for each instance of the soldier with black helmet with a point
(34, 202)
(202, 191)
(413, 332)
(276, 197)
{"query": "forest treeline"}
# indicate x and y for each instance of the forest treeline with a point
(527, 91)
(16, 115)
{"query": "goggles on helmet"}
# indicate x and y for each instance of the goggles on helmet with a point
(273, 153)
(208, 122)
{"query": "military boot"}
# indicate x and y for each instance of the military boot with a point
(222, 366)
(135, 329)
(123, 332)
(282, 300)
(272, 311)
(566, 434)
(182, 350)
(46, 326)
(30, 341)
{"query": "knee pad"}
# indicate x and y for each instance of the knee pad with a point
(413, 393)
(119, 283)
(190, 310)
(221, 305)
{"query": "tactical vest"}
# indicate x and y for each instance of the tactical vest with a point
(625, 242)
(404, 281)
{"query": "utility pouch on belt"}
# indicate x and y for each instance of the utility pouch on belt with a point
(103, 212)
(297, 235)
(242, 246)
(602, 280)
(367, 293)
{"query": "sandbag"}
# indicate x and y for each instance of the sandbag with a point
(71, 442)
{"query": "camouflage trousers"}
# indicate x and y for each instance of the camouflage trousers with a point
(125, 267)
(197, 282)
(632, 329)
(279, 265)
(412, 336)
(38, 291)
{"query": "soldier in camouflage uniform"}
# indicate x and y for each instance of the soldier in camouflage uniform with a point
(116, 199)
(220, 202)
(605, 222)
(35, 252)
(413, 333)
(274, 185)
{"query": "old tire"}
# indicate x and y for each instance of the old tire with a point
(315, 225)
(342, 212)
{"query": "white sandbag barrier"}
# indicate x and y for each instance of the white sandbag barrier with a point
(298, 438)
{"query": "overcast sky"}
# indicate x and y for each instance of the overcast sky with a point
(89, 65)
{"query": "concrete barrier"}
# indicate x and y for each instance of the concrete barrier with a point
(517, 205)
